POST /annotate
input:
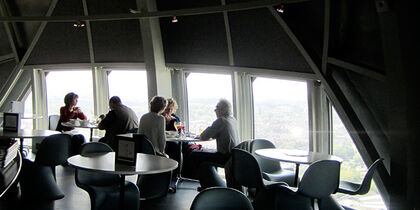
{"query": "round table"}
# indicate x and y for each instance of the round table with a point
(295, 156)
(91, 126)
(105, 163)
(26, 133)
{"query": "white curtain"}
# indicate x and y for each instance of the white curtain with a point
(242, 104)
(39, 99)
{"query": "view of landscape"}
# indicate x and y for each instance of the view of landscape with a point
(281, 114)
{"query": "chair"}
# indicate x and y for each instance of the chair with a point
(247, 172)
(363, 188)
(103, 189)
(319, 181)
(37, 179)
(151, 185)
(209, 177)
(271, 169)
(221, 198)
(53, 121)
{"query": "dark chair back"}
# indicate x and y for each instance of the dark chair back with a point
(321, 179)
(245, 169)
(84, 178)
(143, 144)
(365, 186)
(53, 150)
(266, 165)
(221, 198)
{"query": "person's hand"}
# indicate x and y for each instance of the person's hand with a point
(102, 116)
(168, 118)
(77, 110)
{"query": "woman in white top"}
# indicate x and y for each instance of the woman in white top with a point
(153, 124)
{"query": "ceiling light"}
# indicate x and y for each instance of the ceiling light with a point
(174, 19)
(79, 24)
(280, 9)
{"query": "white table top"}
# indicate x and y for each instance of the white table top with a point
(27, 133)
(72, 125)
(295, 156)
(177, 139)
(105, 163)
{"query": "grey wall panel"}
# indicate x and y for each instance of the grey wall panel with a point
(5, 70)
(73, 7)
(182, 4)
(4, 42)
(61, 43)
(101, 7)
(355, 36)
(259, 41)
(117, 41)
(195, 40)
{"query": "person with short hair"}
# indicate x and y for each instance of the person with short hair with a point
(119, 120)
(225, 130)
(69, 111)
(152, 124)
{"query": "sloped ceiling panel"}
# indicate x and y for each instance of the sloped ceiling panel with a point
(195, 40)
(4, 42)
(62, 42)
(306, 21)
(5, 70)
(259, 41)
(117, 41)
(356, 35)
(184, 4)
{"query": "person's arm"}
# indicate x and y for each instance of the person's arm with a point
(161, 134)
(212, 131)
(110, 117)
(80, 114)
(65, 114)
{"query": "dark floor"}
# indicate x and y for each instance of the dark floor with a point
(78, 199)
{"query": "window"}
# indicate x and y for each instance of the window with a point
(204, 91)
(27, 123)
(131, 87)
(59, 83)
(281, 112)
(352, 169)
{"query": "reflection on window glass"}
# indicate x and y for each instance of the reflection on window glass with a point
(27, 123)
(281, 112)
(352, 169)
(204, 91)
(131, 87)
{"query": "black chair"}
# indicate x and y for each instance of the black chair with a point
(37, 179)
(247, 173)
(104, 189)
(215, 198)
(319, 181)
(271, 169)
(363, 188)
(151, 185)
(209, 177)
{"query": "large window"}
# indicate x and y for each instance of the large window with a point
(352, 169)
(59, 83)
(204, 91)
(131, 87)
(281, 112)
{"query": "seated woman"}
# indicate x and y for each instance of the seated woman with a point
(152, 124)
(71, 111)
(225, 130)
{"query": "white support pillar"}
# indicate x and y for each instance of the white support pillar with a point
(100, 90)
(242, 104)
(320, 133)
(158, 77)
(39, 99)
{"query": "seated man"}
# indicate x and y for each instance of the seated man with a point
(119, 120)
(225, 130)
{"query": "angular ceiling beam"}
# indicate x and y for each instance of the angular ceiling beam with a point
(12, 43)
(89, 33)
(155, 14)
(17, 71)
(358, 69)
